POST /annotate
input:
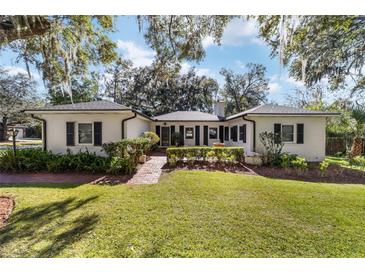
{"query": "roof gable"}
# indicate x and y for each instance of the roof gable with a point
(87, 106)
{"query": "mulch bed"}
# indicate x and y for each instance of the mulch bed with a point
(57, 178)
(6, 207)
(334, 173)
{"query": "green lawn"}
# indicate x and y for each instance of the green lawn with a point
(343, 161)
(188, 214)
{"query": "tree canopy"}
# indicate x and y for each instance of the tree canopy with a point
(319, 48)
(17, 92)
(142, 88)
(246, 90)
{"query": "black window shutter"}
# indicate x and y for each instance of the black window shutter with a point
(172, 131)
(197, 135)
(277, 131)
(243, 134)
(221, 129)
(205, 135)
(300, 133)
(158, 132)
(70, 133)
(181, 130)
(98, 135)
(235, 131)
(226, 133)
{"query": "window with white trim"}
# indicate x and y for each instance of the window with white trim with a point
(287, 133)
(85, 133)
(189, 133)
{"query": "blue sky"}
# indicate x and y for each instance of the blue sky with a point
(240, 45)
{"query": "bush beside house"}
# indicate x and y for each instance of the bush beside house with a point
(122, 158)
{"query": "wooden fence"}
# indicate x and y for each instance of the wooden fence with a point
(340, 145)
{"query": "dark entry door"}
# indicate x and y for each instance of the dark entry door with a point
(165, 136)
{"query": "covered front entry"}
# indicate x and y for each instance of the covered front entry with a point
(165, 136)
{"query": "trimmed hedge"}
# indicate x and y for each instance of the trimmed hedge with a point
(216, 154)
(36, 160)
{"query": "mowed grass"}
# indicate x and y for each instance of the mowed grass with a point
(188, 214)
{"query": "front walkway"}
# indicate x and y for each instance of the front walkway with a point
(150, 172)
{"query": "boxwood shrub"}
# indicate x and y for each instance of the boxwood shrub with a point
(215, 154)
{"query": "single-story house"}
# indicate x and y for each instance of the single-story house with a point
(88, 125)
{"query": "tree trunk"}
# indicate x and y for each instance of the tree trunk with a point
(4, 129)
(356, 149)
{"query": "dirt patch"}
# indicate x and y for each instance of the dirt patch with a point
(61, 178)
(334, 174)
(207, 166)
(6, 207)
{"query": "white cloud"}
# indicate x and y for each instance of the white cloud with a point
(240, 64)
(292, 81)
(274, 86)
(138, 55)
(185, 67)
(13, 70)
(239, 32)
(207, 42)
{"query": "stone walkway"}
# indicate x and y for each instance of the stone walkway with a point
(149, 172)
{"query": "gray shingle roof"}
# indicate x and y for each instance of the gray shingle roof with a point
(88, 106)
(187, 116)
(279, 110)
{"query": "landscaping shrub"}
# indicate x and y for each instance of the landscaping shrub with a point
(323, 166)
(36, 160)
(285, 160)
(273, 146)
(121, 166)
(153, 137)
(195, 154)
(358, 161)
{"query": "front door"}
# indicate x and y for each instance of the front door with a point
(165, 136)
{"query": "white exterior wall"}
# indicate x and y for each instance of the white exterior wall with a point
(191, 142)
(314, 145)
(248, 146)
(136, 127)
(111, 129)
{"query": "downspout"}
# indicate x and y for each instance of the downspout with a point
(126, 119)
(44, 133)
(254, 130)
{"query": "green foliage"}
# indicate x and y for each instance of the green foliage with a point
(176, 138)
(273, 146)
(61, 46)
(358, 161)
(121, 166)
(318, 47)
(35, 160)
(195, 154)
(300, 163)
(286, 160)
(323, 166)
(247, 90)
(153, 137)
(156, 92)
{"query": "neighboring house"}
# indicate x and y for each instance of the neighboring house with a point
(83, 126)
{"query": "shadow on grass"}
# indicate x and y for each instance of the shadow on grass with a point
(46, 229)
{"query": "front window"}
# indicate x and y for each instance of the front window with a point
(213, 133)
(85, 133)
(287, 134)
(189, 133)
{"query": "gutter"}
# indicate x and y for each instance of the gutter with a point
(126, 119)
(254, 130)
(44, 132)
